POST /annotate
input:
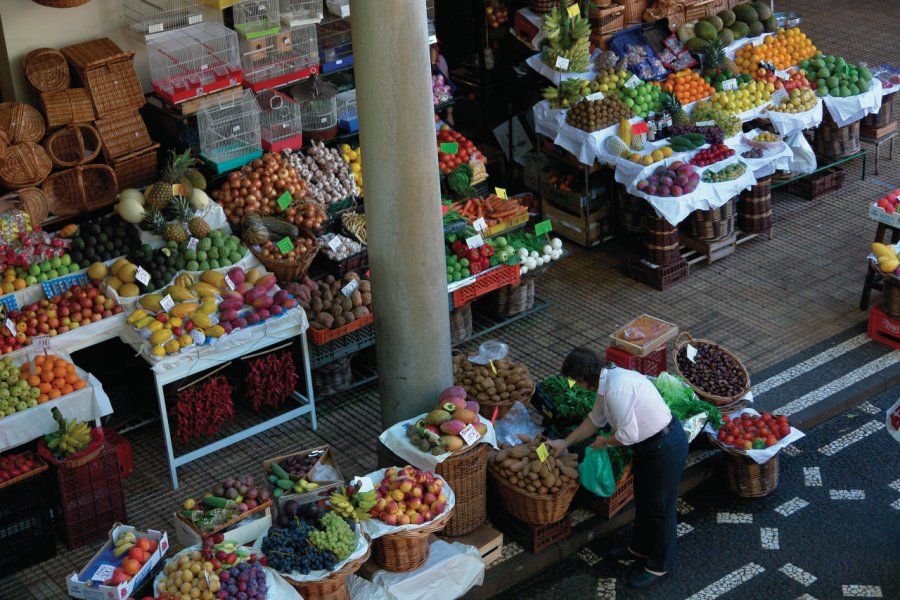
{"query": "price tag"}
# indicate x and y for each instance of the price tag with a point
(142, 275)
(11, 326)
(705, 123)
(323, 120)
(782, 74)
(179, 189)
(204, 67)
(476, 241)
(285, 245)
(480, 224)
(339, 61)
(542, 452)
(284, 200)
(167, 303)
(432, 39)
(229, 282)
(639, 128)
(236, 128)
(730, 84)
(501, 193)
(562, 63)
(449, 147)
(779, 96)
(42, 343)
(633, 82)
(193, 243)
(574, 11)
(194, 19)
(345, 11)
(691, 353)
(571, 382)
(469, 435)
(104, 572)
(334, 243)
(364, 484)
(543, 227)
(351, 287)
(596, 96)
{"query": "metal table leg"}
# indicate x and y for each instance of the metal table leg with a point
(167, 434)
(309, 386)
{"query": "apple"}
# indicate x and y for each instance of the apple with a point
(431, 498)
(403, 520)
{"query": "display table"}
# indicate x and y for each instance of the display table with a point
(246, 341)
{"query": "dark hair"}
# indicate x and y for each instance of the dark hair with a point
(584, 364)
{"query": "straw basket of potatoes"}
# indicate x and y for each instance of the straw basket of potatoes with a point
(495, 386)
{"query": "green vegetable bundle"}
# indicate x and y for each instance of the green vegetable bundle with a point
(682, 401)
(570, 402)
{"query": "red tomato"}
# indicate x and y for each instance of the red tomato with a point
(782, 419)
(747, 445)
(771, 441)
(729, 440)
(722, 434)
(784, 430)
(726, 419)
(749, 436)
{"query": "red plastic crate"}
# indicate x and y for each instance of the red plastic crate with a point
(491, 280)
(884, 328)
(534, 538)
(123, 449)
(660, 278)
(92, 498)
(653, 364)
(609, 507)
(323, 336)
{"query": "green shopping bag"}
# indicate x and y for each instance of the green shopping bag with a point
(596, 472)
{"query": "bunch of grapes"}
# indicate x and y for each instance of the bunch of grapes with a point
(713, 133)
(245, 581)
(289, 549)
(338, 537)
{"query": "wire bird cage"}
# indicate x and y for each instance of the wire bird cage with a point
(279, 59)
(229, 131)
(339, 8)
(347, 115)
(280, 121)
(194, 61)
(256, 18)
(149, 17)
(335, 44)
(429, 12)
(295, 13)
(318, 108)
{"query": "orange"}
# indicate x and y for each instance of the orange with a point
(71, 378)
(39, 360)
(79, 384)
(45, 388)
(19, 284)
(59, 382)
(67, 389)
(54, 394)
(70, 367)
(43, 398)
(47, 376)
(34, 381)
(59, 372)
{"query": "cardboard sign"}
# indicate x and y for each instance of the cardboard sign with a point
(779, 96)
(730, 84)
(284, 200)
(449, 147)
(705, 123)
(639, 128)
(348, 289)
(691, 353)
(142, 275)
(334, 243)
(42, 343)
(782, 74)
(476, 241)
(596, 96)
(469, 435)
(633, 82)
(167, 303)
(480, 224)
(285, 245)
(574, 11)
(571, 382)
(543, 227)
(11, 326)
(562, 63)
(501, 193)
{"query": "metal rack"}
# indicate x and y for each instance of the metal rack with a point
(230, 134)
(149, 17)
(295, 13)
(280, 122)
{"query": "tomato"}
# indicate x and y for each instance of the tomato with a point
(729, 440)
(749, 436)
(747, 445)
(766, 417)
(736, 432)
(726, 419)
(784, 430)
(771, 441)
(782, 419)
(722, 434)
(763, 432)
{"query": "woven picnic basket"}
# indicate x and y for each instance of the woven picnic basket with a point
(25, 164)
(73, 145)
(21, 123)
(46, 70)
(30, 200)
(80, 189)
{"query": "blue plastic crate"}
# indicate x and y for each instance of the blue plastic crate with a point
(10, 303)
(57, 286)
(336, 64)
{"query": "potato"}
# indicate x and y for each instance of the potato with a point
(356, 298)
(327, 296)
(339, 321)
(329, 280)
(348, 317)
(325, 319)
(346, 304)
(351, 276)
(336, 309)
(360, 311)
(366, 298)
(365, 286)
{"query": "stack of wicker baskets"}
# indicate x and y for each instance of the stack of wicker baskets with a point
(661, 241)
(465, 471)
(833, 142)
(714, 224)
(755, 207)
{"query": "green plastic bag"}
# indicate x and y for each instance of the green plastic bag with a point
(597, 473)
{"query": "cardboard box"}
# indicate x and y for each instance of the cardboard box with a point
(647, 345)
(94, 590)
(587, 229)
(244, 532)
(878, 214)
(324, 490)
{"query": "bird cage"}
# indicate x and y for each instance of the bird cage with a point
(194, 61)
(335, 44)
(279, 59)
(280, 121)
(146, 17)
(429, 12)
(347, 115)
(256, 18)
(229, 131)
(318, 108)
(295, 13)
(339, 8)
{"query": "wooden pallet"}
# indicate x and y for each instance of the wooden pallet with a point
(874, 134)
(694, 251)
(488, 540)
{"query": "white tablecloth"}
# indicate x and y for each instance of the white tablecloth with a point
(847, 110)
(534, 61)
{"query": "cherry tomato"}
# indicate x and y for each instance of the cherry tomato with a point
(771, 441)
(747, 445)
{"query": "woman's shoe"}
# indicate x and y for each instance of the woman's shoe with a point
(645, 579)
(622, 553)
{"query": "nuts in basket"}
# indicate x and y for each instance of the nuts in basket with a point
(496, 382)
(521, 467)
(712, 369)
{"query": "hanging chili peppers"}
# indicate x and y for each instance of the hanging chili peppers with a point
(202, 409)
(271, 379)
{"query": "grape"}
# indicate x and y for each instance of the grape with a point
(338, 537)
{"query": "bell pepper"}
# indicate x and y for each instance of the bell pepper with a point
(458, 247)
(475, 268)
(464, 262)
(487, 250)
(473, 254)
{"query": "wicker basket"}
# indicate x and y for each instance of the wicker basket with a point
(82, 189)
(72, 145)
(61, 3)
(4, 142)
(407, 550)
(21, 123)
(544, 6)
(46, 70)
(746, 477)
(287, 270)
(79, 459)
(634, 10)
(711, 225)
(890, 297)
(24, 165)
(114, 87)
(536, 509)
(66, 107)
(832, 142)
(136, 170)
(94, 53)
(122, 134)
(685, 338)
(30, 200)
(884, 116)
(333, 586)
(461, 323)
(514, 299)
(466, 474)
(609, 19)
(755, 207)
(632, 212)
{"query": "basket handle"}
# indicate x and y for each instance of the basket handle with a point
(679, 342)
(80, 139)
(82, 193)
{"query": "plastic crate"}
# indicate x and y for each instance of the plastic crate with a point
(339, 268)
(884, 328)
(26, 521)
(343, 346)
(323, 336)
(91, 498)
(534, 538)
(608, 507)
(817, 185)
(653, 364)
(57, 286)
(659, 278)
(10, 303)
(123, 450)
(488, 281)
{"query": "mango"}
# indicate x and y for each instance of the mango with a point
(452, 427)
(889, 266)
(154, 325)
(215, 331)
(116, 266)
(267, 282)
(184, 309)
(203, 289)
(151, 302)
(185, 340)
(437, 417)
(236, 275)
(128, 290)
(481, 428)
(172, 346)
(207, 307)
(136, 316)
(184, 280)
(180, 294)
(454, 391)
(451, 442)
(213, 278)
(465, 415)
(251, 276)
(144, 322)
(160, 337)
(158, 351)
(201, 320)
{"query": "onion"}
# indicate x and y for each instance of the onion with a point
(522, 253)
(556, 243)
(547, 249)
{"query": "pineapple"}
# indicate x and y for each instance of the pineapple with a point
(672, 106)
(156, 223)
(715, 62)
(161, 193)
(568, 37)
(198, 227)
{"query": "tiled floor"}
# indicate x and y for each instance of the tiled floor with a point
(768, 301)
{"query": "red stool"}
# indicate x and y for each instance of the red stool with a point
(123, 449)
(653, 364)
(884, 328)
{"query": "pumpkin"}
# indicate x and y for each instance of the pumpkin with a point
(255, 231)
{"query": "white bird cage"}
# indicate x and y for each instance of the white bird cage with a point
(256, 18)
(229, 131)
(335, 44)
(347, 115)
(432, 32)
(279, 59)
(194, 61)
(280, 121)
(149, 17)
(318, 107)
(295, 13)
(339, 8)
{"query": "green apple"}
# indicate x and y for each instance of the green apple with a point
(34, 269)
(66, 260)
(22, 406)
(31, 280)
(55, 262)
(52, 274)
(45, 266)
(35, 392)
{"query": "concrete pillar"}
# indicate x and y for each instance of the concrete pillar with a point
(403, 217)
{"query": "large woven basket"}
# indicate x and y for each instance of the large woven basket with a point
(24, 165)
(714, 224)
(136, 170)
(333, 586)
(545, 6)
(94, 53)
(745, 477)
(67, 106)
(114, 87)
(122, 134)
(514, 299)
(81, 189)
(30, 200)
(833, 142)
(287, 270)
(536, 509)
(407, 550)
(634, 10)
(466, 474)
(754, 212)
(21, 123)
(682, 340)
(46, 70)
(73, 145)
(4, 142)
(486, 408)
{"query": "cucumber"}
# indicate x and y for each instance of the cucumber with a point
(273, 478)
(278, 471)
(216, 502)
(277, 492)
(285, 484)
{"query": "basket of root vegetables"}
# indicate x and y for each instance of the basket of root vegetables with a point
(496, 386)
(533, 490)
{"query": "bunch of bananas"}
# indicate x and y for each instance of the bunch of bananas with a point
(124, 543)
(569, 92)
(567, 37)
(351, 504)
(304, 486)
(72, 436)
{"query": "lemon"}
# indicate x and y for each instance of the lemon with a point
(658, 154)
(345, 148)
(175, 322)
(158, 351)
(185, 341)
(647, 160)
(635, 157)
(355, 167)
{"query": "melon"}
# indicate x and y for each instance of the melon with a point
(715, 21)
(685, 32)
(727, 17)
(756, 28)
(745, 13)
(740, 30)
(705, 30)
(763, 11)
(770, 24)
(696, 45)
(726, 36)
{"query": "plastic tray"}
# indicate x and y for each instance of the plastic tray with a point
(323, 336)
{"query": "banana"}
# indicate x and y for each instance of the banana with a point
(123, 549)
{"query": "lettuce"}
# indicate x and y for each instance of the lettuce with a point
(682, 401)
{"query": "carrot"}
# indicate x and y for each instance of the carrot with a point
(505, 215)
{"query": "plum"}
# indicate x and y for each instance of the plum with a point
(681, 180)
(688, 189)
(653, 179)
(666, 181)
(676, 165)
(676, 190)
(642, 184)
(650, 189)
(664, 191)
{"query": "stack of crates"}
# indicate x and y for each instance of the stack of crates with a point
(91, 498)
(26, 522)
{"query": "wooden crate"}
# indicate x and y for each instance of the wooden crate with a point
(488, 540)
(876, 133)
(586, 228)
(698, 250)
